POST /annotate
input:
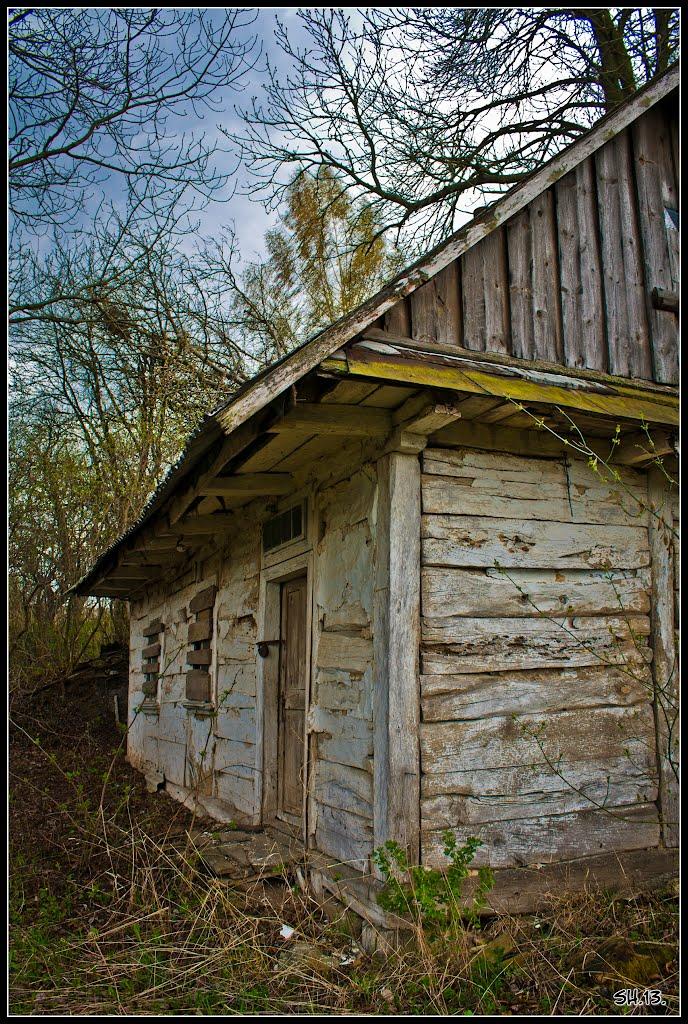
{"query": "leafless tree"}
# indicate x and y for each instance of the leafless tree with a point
(95, 101)
(428, 111)
(105, 390)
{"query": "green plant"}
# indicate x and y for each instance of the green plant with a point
(432, 897)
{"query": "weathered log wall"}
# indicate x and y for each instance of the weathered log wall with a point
(216, 757)
(570, 278)
(211, 756)
(536, 690)
(538, 729)
(341, 748)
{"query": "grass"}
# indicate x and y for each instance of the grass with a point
(111, 912)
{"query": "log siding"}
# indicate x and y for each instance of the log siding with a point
(537, 730)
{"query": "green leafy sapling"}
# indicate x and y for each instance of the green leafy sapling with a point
(430, 896)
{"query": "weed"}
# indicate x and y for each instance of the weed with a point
(432, 898)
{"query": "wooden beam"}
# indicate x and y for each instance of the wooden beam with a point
(196, 526)
(665, 300)
(231, 447)
(392, 343)
(396, 696)
(520, 388)
(267, 484)
(131, 573)
(141, 559)
(423, 415)
(505, 411)
(345, 420)
(473, 434)
(641, 450)
(150, 551)
(106, 590)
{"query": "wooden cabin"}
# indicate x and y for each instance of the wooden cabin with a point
(421, 574)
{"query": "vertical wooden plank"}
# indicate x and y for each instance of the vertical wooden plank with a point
(624, 286)
(447, 305)
(654, 178)
(292, 706)
(397, 320)
(435, 314)
(267, 690)
(582, 308)
(664, 652)
(570, 270)
(473, 299)
(423, 313)
(616, 312)
(544, 262)
(520, 285)
(592, 298)
(496, 285)
(396, 698)
(381, 613)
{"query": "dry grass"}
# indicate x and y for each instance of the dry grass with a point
(112, 913)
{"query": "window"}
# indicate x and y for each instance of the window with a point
(199, 654)
(284, 527)
(151, 660)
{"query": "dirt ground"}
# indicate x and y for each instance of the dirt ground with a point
(64, 744)
(111, 912)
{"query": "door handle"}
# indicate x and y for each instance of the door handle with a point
(265, 645)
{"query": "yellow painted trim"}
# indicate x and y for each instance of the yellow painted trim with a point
(624, 405)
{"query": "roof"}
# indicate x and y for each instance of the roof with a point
(255, 394)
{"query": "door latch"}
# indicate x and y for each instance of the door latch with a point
(265, 645)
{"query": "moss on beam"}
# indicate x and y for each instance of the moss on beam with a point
(619, 402)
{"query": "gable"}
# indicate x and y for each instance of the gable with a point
(575, 276)
(256, 395)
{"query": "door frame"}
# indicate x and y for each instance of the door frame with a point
(267, 685)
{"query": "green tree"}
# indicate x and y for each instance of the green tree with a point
(326, 257)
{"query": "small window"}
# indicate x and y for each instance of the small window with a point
(200, 655)
(283, 528)
(151, 655)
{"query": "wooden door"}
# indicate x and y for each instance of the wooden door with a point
(292, 701)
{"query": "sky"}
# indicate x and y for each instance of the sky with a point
(234, 207)
(249, 217)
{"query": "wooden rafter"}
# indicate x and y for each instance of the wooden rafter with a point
(267, 484)
(345, 420)
(231, 447)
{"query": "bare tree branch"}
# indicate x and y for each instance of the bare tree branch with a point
(426, 112)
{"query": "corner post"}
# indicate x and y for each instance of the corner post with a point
(664, 652)
(396, 693)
